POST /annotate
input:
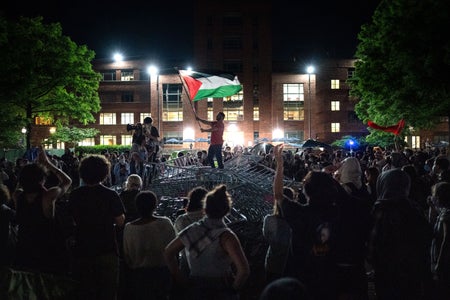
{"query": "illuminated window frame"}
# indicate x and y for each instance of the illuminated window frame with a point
(335, 84)
(126, 75)
(415, 141)
(126, 118)
(293, 101)
(142, 116)
(87, 142)
(107, 119)
(335, 105)
(108, 140)
(335, 127)
(255, 113)
(126, 139)
(172, 102)
(293, 92)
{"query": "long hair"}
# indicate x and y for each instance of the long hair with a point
(32, 177)
(218, 202)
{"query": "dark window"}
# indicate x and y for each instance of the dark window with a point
(232, 43)
(209, 44)
(350, 72)
(109, 75)
(127, 96)
(232, 21)
(233, 66)
(352, 117)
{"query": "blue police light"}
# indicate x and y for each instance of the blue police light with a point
(351, 145)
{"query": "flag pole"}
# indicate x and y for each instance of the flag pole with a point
(189, 97)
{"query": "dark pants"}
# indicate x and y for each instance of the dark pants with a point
(98, 277)
(215, 151)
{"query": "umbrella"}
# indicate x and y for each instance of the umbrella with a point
(315, 144)
(281, 139)
(188, 140)
(293, 139)
(261, 148)
(172, 141)
(201, 140)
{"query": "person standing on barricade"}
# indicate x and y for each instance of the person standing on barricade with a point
(215, 147)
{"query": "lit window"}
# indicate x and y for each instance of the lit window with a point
(57, 145)
(43, 121)
(335, 127)
(126, 140)
(256, 113)
(293, 92)
(87, 142)
(334, 84)
(172, 102)
(108, 140)
(293, 101)
(233, 107)
(142, 116)
(335, 105)
(415, 141)
(127, 76)
(107, 119)
(127, 118)
(210, 116)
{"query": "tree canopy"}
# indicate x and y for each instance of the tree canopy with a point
(403, 64)
(44, 74)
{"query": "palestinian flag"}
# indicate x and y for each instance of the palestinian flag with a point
(395, 129)
(210, 85)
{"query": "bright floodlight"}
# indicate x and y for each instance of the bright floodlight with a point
(310, 69)
(152, 70)
(118, 57)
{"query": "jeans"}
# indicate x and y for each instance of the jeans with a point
(215, 151)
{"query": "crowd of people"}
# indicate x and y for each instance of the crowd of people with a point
(377, 213)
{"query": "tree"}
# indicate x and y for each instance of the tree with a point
(72, 135)
(403, 67)
(46, 75)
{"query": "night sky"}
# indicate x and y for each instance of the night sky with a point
(162, 29)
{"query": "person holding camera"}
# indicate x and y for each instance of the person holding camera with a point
(151, 134)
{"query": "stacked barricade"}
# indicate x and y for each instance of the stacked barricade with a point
(248, 181)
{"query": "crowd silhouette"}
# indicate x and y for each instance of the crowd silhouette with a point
(86, 227)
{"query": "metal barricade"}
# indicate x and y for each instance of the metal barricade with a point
(248, 181)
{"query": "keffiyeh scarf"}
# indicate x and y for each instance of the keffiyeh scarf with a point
(198, 236)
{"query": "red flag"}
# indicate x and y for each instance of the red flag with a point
(395, 129)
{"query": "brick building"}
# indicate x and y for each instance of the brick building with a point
(278, 100)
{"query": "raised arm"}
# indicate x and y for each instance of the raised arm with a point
(171, 258)
(203, 121)
(279, 174)
(53, 193)
(232, 246)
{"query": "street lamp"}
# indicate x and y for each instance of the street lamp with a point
(153, 71)
(24, 132)
(309, 70)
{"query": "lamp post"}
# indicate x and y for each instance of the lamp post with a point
(309, 70)
(24, 132)
(153, 71)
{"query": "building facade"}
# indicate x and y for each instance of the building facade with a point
(279, 101)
